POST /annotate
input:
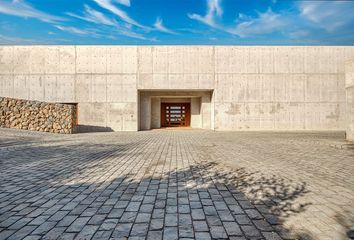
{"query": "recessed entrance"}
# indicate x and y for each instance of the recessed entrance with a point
(175, 108)
(175, 114)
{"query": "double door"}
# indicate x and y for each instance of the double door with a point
(175, 114)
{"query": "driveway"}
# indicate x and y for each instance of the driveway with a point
(175, 184)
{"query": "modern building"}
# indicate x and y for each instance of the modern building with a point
(130, 88)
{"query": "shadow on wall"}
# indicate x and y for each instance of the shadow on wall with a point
(269, 200)
(91, 128)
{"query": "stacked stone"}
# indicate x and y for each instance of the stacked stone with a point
(37, 116)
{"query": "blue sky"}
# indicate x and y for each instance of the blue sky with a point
(158, 22)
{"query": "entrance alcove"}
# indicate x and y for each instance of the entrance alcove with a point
(169, 108)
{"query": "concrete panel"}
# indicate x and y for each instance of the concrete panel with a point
(296, 56)
(176, 59)
(205, 110)
(331, 116)
(122, 59)
(330, 91)
(83, 59)
(129, 60)
(83, 88)
(191, 61)
(251, 59)
(99, 59)
(239, 87)
(37, 60)
(349, 123)
(192, 81)
(234, 116)
(313, 88)
(99, 88)
(297, 112)
(160, 81)
(326, 64)
(251, 116)
(21, 86)
(281, 87)
(145, 112)
(6, 85)
(254, 88)
(281, 116)
(66, 88)
(222, 59)
(155, 113)
(6, 59)
(266, 60)
(52, 60)
(160, 59)
(175, 81)
(114, 88)
(206, 81)
(312, 58)
(50, 88)
(129, 91)
(130, 117)
(341, 87)
(36, 87)
(313, 114)
(145, 59)
(114, 59)
(22, 61)
(223, 90)
(349, 87)
(267, 116)
(297, 85)
(222, 120)
(282, 60)
(67, 58)
(206, 60)
(145, 81)
(93, 116)
(196, 120)
(115, 116)
(239, 58)
(267, 88)
(122, 116)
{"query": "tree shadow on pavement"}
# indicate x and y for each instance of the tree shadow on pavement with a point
(233, 202)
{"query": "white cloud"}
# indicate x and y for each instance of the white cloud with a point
(91, 15)
(16, 40)
(214, 11)
(124, 2)
(264, 23)
(160, 27)
(74, 30)
(107, 4)
(21, 9)
(328, 15)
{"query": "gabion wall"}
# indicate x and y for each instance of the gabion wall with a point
(37, 116)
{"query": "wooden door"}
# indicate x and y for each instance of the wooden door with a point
(175, 114)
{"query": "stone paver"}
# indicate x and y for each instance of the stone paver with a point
(168, 184)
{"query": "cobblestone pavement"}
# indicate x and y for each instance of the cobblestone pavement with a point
(175, 185)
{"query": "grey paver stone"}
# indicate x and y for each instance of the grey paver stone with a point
(78, 224)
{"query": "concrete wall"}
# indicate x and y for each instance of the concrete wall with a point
(349, 86)
(254, 88)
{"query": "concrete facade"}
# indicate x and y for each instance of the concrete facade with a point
(349, 87)
(120, 88)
